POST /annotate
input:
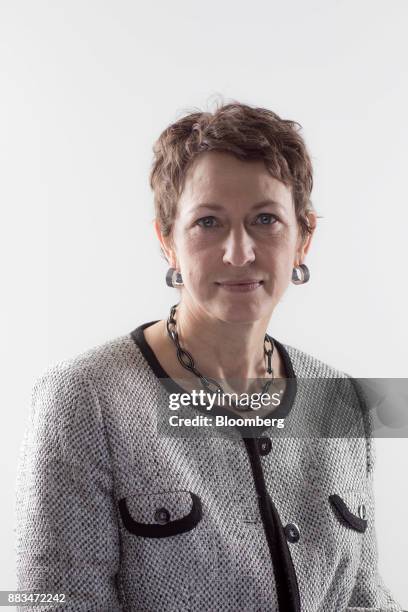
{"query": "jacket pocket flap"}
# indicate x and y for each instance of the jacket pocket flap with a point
(344, 514)
(156, 515)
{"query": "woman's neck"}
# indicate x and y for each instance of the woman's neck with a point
(223, 350)
(229, 353)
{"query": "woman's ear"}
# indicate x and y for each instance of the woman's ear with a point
(305, 241)
(166, 245)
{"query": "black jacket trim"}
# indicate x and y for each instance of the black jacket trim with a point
(345, 515)
(146, 530)
(281, 411)
(285, 575)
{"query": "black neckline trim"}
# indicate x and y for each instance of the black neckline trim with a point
(171, 386)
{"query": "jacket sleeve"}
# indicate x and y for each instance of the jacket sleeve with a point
(370, 593)
(67, 535)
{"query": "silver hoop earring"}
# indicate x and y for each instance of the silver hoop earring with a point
(173, 278)
(300, 274)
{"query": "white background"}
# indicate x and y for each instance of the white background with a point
(86, 88)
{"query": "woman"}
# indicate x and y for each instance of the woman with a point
(118, 515)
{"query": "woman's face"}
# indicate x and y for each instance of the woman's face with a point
(234, 222)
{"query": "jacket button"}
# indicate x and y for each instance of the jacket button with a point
(362, 511)
(292, 532)
(162, 515)
(264, 445)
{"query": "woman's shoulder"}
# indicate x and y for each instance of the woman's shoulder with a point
(101, 363)
(334, 387)
(71, 398)
(68, 404)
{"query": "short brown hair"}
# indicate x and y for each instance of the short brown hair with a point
(247, 132)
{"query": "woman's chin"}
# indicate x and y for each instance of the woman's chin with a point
(240, 313)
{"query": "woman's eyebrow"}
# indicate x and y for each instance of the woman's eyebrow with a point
(214, 206)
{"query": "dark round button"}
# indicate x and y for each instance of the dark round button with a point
(292, 532)
(162, 515)
(265, 445)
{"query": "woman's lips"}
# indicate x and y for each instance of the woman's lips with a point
(241, 287)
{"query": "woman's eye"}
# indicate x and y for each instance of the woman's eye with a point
(206, 222)
(262, 219)
(267, 219)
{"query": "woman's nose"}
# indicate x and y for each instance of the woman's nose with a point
(238, 248)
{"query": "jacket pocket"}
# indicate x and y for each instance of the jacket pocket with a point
(160, 515)
(346, 516)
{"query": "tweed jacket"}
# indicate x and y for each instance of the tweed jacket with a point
(120, 517)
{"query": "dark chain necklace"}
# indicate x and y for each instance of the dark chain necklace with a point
(209, 384)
